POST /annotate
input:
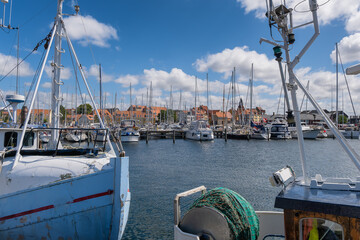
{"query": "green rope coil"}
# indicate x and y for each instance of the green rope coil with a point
(240, 215)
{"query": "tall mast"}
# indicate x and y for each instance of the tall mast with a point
(17, 58)
(207, 94)
(101, 103)
(337, 87)
(251, 92)
(150, 101)
(223, 105)
(56, 82)
(131, 110)
(195, 97)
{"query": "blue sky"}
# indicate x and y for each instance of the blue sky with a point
(169, 43)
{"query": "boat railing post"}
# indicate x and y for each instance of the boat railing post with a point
(173, 136)
(147, 136)
(225, 135)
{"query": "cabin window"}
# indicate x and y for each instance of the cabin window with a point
(319, 228)
(29, 139)
(10, 139)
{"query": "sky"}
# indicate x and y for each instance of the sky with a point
(170, 43)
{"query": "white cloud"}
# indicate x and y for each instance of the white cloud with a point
(346, 10)
(46, 85)
(87, 29)
(127, 79)
(7, 63)
(240, 58)
(65, 72)
(352, 24)
(164, 80)
(349, 48)
(94, 71)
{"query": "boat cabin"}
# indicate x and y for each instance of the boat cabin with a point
(10, 138)
(199, 124)
(319, 213)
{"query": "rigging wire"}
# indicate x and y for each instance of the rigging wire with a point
(9, 54)
(35, 76)
(347, 84)
(76, 77)
(44, 41)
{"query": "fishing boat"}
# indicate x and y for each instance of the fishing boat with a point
(128, 131)
(312, 208)
(59, 193)
(199, 131)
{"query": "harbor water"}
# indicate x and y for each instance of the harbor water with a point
(160, 169)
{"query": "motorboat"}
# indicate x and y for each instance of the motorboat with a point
(308, 132)
(279, 130)
(199, 130)
(58, 192)
(128, 131)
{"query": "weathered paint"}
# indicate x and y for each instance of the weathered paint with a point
(84, 207)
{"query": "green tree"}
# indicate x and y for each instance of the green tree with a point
(165, 114)
(342, 119)
(87, 109)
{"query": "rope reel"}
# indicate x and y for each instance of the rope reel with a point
(221, 214)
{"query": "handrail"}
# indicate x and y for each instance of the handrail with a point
(177, 211)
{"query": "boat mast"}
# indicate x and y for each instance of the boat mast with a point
(207, 96)
(251, 92)
(131, 110)
(101, 103)
(337, 87)
(195, 97)
(56, 82)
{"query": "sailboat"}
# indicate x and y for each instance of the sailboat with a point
(313, 208)
(199, 130)
(78, 193)
(128, 129)
(348, 131)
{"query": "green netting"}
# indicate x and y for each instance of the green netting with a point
(240, 215)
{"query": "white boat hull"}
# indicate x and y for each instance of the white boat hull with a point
(308, 134)
(200, 135)
(261, 136)
(130, 138)
(93, 206)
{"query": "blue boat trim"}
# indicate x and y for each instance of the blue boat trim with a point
(109, 192)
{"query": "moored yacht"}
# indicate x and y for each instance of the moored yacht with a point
(199, 131)
(279, 130)
(308, 132)
(129, 132)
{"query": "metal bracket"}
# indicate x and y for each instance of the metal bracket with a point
(291, 86)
